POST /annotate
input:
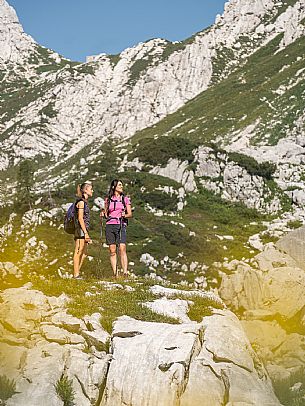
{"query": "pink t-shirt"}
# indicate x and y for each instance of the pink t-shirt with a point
(116, 207)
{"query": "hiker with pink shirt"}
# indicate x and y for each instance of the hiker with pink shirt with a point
(117, 212)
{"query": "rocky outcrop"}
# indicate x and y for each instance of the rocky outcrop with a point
(293, 244)
(228, 367)
(208, 363)
(179, 172)
(40, 343)
(8, 269)
(216, 172)
(14, 43)
(191, 363)
(270, 299)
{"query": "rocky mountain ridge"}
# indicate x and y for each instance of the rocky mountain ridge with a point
(113, 97)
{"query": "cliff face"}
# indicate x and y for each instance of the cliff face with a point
(15, 45)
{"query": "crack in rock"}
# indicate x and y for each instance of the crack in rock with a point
(216, 359)
(83, 388)
(198, 343)
(226, 384)
(127, 334)
(104, 383)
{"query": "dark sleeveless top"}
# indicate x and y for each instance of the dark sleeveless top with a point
(86, 215)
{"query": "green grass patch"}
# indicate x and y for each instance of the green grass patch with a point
(139, 66)
(202, 307)
(110, 303)
(7, 388)
(295, 224)
(114, 59)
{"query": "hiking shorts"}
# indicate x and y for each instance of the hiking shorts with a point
(79, 234)
(113, 234)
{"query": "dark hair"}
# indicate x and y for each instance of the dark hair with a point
(81, 189)
(112, 188)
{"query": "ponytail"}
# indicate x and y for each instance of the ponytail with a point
(81, 188)
(79, 192)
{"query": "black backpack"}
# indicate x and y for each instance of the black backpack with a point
(69, 221)
(70, 218)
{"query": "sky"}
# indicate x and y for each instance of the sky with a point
(78, 28)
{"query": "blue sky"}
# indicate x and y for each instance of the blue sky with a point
(77, 28)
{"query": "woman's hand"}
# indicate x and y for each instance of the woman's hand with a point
(87, 238)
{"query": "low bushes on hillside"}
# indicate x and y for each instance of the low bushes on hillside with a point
(159, 151)
(264, 169)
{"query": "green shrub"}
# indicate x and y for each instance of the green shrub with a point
(64, 389)
(284, 392)
(294, 224)
(86, 68)
(159, 151)
(201, 307)
(265, 169)
(7, 388)
(138, 67)
(49, 110)
(177, 236)
(114, 59)
(161, 201)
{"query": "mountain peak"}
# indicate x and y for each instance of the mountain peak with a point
(15, 45)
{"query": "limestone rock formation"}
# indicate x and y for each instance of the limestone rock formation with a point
(270, 299)
(190, 363)
(15, 45)
(293, 244)
(187, 364)
(40, 343)
(115, 97)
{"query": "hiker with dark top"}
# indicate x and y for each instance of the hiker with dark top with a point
(117, 211)
(82, 225)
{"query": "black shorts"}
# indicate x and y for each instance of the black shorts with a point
(79, 234)
(115, 235)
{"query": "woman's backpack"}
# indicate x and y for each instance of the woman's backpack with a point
(69, 221)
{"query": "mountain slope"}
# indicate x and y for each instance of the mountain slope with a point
(116, 96)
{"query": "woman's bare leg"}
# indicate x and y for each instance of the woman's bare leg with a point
(113, 258)
(124, 259)
(84, 255)
(78, 252)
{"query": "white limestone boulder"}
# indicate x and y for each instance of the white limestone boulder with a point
(176, 308)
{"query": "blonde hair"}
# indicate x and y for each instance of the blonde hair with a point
(81, 188)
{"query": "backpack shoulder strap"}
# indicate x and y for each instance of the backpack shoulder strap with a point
(123, 201)
(79, 199)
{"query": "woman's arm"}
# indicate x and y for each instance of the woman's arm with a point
(128, 213)
(105, 211)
